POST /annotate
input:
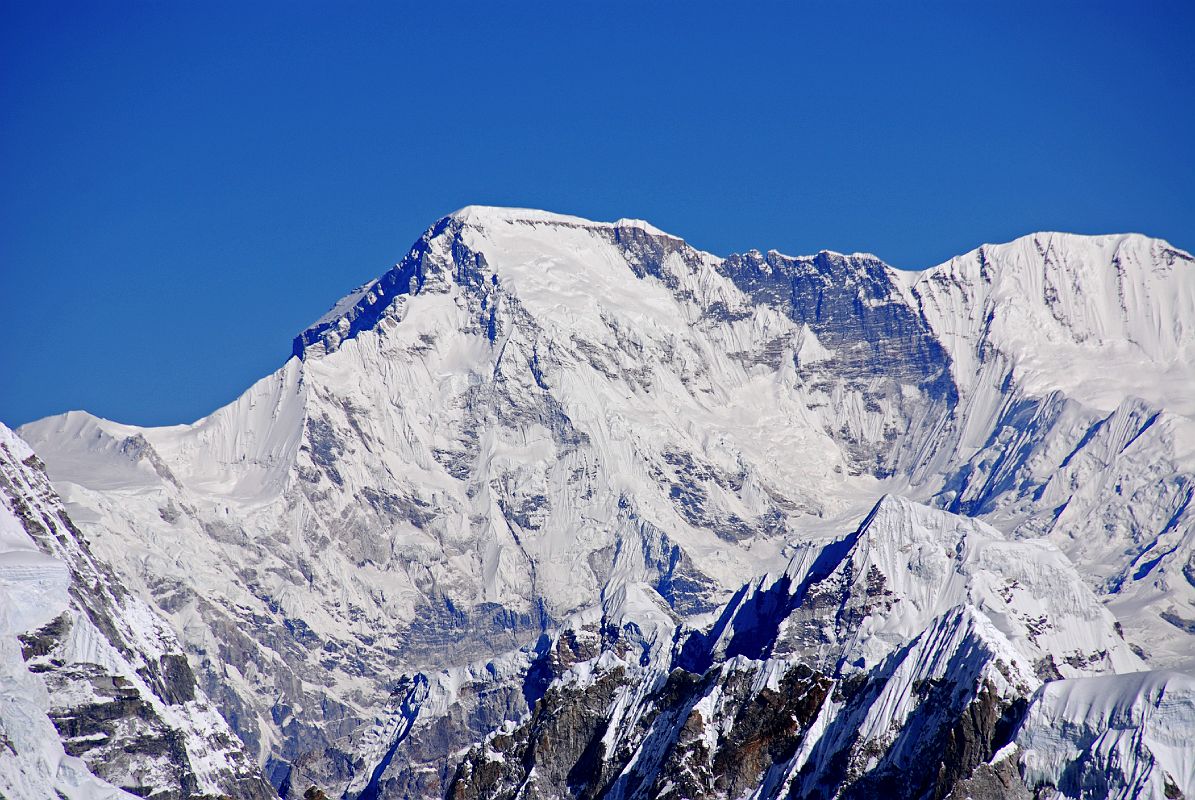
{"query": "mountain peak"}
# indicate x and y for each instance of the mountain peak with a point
(526, 230)
(1104, 246)
(483, 216)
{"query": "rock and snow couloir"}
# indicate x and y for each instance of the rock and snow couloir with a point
(532, 414)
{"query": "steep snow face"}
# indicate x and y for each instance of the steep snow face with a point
(33, 592)
(1118, 736)
(1117, 311)
(530, 413)
(870, 357)
(94, 683)
(1110, 490)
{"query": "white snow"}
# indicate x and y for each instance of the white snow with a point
(33, 591)
(1121, 736)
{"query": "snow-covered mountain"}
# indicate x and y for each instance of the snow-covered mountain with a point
(534, 422)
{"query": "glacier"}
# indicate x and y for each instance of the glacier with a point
(540, 454)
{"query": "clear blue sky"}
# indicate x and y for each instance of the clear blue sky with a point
(185, 185)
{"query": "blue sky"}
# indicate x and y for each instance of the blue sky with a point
(186, 185)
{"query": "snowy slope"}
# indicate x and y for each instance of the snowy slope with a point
(1117, 311)
(1118, 736)
(97, 683)
(531, 412)
(33, 591)
(1074, 362)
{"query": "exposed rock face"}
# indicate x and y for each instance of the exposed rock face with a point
(531, 415)
(999, 781)
(870, 344)
(121, 695)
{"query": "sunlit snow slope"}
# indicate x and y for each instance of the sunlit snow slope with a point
(95, 690)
